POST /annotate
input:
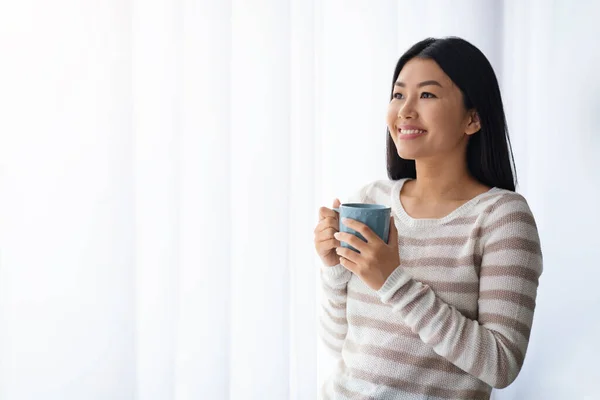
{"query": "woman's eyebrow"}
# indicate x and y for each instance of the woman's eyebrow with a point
(424, 83)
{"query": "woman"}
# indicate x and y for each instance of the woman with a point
(444, 311)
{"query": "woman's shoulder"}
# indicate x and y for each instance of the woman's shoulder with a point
(501, 206)
(497, 199)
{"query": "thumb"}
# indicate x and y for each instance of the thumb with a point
(336, 203)
(393, 239)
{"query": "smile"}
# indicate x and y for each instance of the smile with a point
(411, 131)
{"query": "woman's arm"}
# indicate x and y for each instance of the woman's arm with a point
(493, 347)
(334, 282)
(333, 322)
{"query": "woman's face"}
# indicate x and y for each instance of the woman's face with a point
(427, 117)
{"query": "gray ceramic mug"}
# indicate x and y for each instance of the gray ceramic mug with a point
(375, 216)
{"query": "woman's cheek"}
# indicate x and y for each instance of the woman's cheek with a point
(391, 118)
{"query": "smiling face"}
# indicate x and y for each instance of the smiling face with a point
(426, 116)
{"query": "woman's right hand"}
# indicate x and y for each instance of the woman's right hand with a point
(325, 243)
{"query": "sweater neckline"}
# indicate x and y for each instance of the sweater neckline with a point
(399, 210)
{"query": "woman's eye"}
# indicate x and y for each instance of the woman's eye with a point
(427, 95)
(398, 96)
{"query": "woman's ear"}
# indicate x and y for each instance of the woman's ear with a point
(474, 124)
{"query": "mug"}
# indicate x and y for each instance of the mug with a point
(375, 216)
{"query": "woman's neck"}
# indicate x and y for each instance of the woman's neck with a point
(438, 181)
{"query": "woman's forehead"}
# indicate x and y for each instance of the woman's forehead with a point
(419, 70)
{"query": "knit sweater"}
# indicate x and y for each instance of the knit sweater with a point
(453, 320)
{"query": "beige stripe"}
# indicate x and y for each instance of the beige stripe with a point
(518, 271)
(470, 314)
(443, 330)
(462, 221)
(515, 244)
(415, 301)
(337, 292)
(397, 328)
(510, 323)
(425, 319)
(420, 389)
(330, 332)
(504, 199)
(339, 389)
(336, 305)
(364, 298)
(503, 364)
(464, 338)
(478, 364)
(337, 320)
(432, 363)
(446, 262)
(509, 296)
(509, 219)
(436, 241)
(453, 287)
(335, 348)
(479, 361)
(513, 348)
(399, 295)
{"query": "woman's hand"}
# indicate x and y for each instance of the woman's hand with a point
(325, 242)
(377, 259)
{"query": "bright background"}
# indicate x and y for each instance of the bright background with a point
(162, 163)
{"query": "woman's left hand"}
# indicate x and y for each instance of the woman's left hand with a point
(377, 259)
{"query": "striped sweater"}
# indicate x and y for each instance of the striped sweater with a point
(453, 320)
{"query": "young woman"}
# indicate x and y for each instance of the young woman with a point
(444, 309)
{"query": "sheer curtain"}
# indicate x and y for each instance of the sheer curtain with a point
(163, 163)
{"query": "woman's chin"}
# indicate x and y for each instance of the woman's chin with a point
(406, 154)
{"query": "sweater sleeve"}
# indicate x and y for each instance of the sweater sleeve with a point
(491, 348)
(333, 322)
(334, 282)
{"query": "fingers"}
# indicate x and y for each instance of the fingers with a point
(362, 229)
(327, 223)
(327, 244)
(352, 240)
(324, 234)
(325, 212)
(327, 233)
(346, 262)
(393, 238)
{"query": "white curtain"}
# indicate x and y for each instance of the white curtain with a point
(163, 162)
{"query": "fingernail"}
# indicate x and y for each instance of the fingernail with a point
(336, 235)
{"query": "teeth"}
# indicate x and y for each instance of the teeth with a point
(411, 131)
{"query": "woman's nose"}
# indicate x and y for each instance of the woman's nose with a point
(407, 110)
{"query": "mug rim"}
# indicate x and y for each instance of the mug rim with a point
(365, 206)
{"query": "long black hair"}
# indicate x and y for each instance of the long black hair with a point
(489, 155)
